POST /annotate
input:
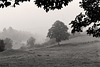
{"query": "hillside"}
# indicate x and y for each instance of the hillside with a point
(12, 52)
(81, 39)
(78, 39)
(15, 35)
(82, 54)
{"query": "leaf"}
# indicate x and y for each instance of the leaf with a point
(7, 4)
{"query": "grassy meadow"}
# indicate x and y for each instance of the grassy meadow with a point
(76, 52)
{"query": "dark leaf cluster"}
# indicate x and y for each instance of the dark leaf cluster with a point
(6, 3)
(91, 16)
(51, 4)
(80, 22)
(92, 9)
(94, 30)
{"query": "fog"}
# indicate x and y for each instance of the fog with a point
(28, 17)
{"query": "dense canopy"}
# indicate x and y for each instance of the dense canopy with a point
(90, 18)
(47, 4)
(51, 4)
(59, 31)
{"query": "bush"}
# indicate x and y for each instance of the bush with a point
(2, 45)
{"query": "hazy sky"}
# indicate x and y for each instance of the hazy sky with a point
(28, 17)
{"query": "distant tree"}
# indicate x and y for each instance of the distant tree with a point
(4, 30)
(2, 45)
(31, 41)
(59, 31)
(8, 43)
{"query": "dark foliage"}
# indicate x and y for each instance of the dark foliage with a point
(91, 16)
(51, 4)
(80, 21)
(58, 31)
(92, 9)
(47, 4)
(2, 45)
(6, 3)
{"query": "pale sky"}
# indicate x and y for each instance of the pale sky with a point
(28, 17)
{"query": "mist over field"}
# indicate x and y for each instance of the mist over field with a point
(19, 36)
(34, 20)
(61, 33)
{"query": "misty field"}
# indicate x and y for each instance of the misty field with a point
(68, 54)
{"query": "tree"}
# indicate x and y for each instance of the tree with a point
(8, 43)
(6, 3)
(47, 4)
(31, 41)
(2, 45)
(91, 17)
(51, 4)
(58, 31)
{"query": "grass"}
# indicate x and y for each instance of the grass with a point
(82, 54)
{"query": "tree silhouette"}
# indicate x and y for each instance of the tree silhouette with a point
(2, 45)
(91, 16)
(6, 3)
(51, 4)
(58, 31)
(47, 4)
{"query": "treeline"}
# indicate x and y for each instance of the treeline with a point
(7, 43)
(57, 33)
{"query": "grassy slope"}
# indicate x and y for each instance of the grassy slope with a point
(77, 52)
